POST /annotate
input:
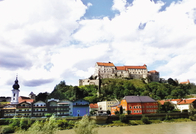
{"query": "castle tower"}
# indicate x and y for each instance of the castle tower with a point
(15, 92)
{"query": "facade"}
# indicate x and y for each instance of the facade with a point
(8, 111)
(23, 109)
(80, 107)
(181, 104)
(136, 105)
(109, 70)
(186, 105)
(39, 109)
(106, 105)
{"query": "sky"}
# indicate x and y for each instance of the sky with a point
(44, 42)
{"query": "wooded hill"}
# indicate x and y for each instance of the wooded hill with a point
(118, 88)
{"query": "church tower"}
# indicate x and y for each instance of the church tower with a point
(15, 92)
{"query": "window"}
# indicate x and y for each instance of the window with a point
(130, 107)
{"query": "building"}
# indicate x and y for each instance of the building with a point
(24, 109)
(106, 105)
(109, 70)
(39, 109)
(185, 82)
(136, 105)
(186, 105)
(15, 92)
(80, 107)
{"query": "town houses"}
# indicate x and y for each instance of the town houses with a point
(22, 106)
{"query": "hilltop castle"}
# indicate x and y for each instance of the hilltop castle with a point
(109, 70)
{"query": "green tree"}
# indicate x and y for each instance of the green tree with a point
(85, 126)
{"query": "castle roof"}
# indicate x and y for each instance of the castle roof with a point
(153, 71)
(120, 68)
(130, 67)
(105, 64)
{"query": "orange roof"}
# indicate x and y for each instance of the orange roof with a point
(130, 67)
(93, 105)
(163, 101)
(185, 82)
(120, 67)
(135, 67)
(105, 64)
(153, 71)
(27, 99)
(186, 101)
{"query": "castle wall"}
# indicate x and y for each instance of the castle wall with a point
(108, 70)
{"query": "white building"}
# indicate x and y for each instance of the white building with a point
(15, 92)
(106, 105)
(186, 104)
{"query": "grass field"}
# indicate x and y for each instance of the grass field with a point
(161, 128)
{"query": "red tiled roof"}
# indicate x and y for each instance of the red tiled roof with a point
(105, 64)
(153, 71)
(130, 67)
(23, 99)
(185, 82)
(120, 67)
(93, 105)
(186, 101)
(135, 67)
(169, 100)
(162, 102)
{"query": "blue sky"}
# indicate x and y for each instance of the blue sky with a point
(62, 40)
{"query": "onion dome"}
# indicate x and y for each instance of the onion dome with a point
(16, 85)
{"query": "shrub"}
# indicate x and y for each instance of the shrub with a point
(6, 129)
(118, 123)
(145, 120)
(62, 124)
(85, 126)
(155, 121)
(39, 127)
(135, 122)
(123, 118)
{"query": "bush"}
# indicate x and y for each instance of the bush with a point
(145, 120)
(6, 129)
(62, 124)
(123, 118)
(135, 122)
(85, 126)
(39, 127)
(155, 121)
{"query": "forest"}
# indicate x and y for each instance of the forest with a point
(118, 88)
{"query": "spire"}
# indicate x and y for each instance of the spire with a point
(16, 85)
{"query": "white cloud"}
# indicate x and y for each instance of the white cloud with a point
(119, 5)
(45, 42)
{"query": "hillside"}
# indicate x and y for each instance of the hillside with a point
(118, 88)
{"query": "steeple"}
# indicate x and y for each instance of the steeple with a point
(16, 85)
(15, 92)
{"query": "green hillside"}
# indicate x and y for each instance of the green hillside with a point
(118, 88)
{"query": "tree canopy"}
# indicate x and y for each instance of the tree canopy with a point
(118, 88)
